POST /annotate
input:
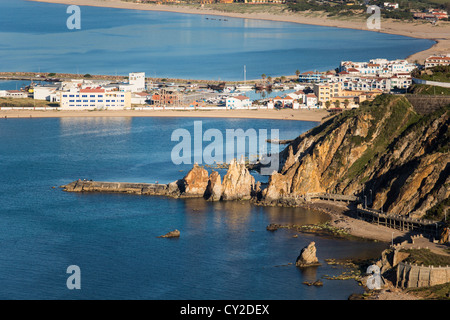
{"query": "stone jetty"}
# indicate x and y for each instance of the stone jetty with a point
(238, 184)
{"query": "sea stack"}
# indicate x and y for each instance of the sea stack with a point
(307, 257)
(238, 183)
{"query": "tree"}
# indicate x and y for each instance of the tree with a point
(337, 103)
(297, 72)
(269, 78)
(263, 76)
(346, 103)
(327, 104)
(283, 78)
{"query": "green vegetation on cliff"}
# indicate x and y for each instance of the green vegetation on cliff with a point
(385, 147)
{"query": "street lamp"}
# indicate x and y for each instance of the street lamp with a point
(365, 202)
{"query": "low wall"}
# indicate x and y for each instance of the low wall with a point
(432, 83)
(415, 276)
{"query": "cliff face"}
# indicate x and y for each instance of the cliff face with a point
(385, 151)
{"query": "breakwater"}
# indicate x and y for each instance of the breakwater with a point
(117, 187)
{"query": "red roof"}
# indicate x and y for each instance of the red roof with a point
(242, 97)
(352, 70)
(89, 90)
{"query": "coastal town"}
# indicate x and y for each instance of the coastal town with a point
(136, 160)
(346, 87)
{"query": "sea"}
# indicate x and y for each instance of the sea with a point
(224, 251)
(34, 37)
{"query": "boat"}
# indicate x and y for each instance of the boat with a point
(217, 87)
(244, 87)
(263, 86)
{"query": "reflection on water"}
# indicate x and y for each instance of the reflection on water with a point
(235, 214)
(97, 126)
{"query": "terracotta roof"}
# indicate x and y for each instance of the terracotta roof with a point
(241, 97)
(90, 90)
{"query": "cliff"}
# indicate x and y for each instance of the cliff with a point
(385, 151)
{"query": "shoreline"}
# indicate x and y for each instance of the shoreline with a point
(285, 114)
(416, 29)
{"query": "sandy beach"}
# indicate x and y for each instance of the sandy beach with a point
(285, 114)
(417, 29)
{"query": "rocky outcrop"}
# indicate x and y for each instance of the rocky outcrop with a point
(195, 182)
(214, 189)
(238, 183)
(172, 234)
(307, 257)
(385, 147)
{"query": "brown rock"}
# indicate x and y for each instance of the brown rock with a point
(307, 257)
(195, 182)
(214, 189)
(238, 183)
(172, 234)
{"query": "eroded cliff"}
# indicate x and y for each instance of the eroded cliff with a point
(384, 151)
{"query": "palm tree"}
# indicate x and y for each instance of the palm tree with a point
(263, 76)
(327, 104)
(269, 78)
(283, 78)
(297, 72)
(337, 103)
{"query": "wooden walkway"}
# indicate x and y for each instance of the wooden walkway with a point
(399, 222)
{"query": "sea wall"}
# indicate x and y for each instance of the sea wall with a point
(415, 276)
(117, 187)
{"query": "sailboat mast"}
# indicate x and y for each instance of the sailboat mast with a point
(245, 74)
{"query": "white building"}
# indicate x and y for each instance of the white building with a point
(377, 67)
(238, 102)
(45, 93)
(14, 94)
(139, 97)
(438, 60)
(94, 98)
(137, 81)
(310, 100)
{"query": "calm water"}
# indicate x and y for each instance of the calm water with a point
(224, 251)
(34, 37)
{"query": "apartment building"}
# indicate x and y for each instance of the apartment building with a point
(94, 98)
(324, 92)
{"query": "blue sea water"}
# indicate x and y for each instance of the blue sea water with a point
(34, 37)
(224, 251)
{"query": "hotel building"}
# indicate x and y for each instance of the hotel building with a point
(94, 98)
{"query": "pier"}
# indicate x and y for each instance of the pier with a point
(331, 197)
(399, 222)
(117, 187)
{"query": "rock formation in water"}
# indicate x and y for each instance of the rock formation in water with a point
(214, 189)
(195, 182)
(385, 151)
(172, 234)
(307, 257)
(238, 183)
